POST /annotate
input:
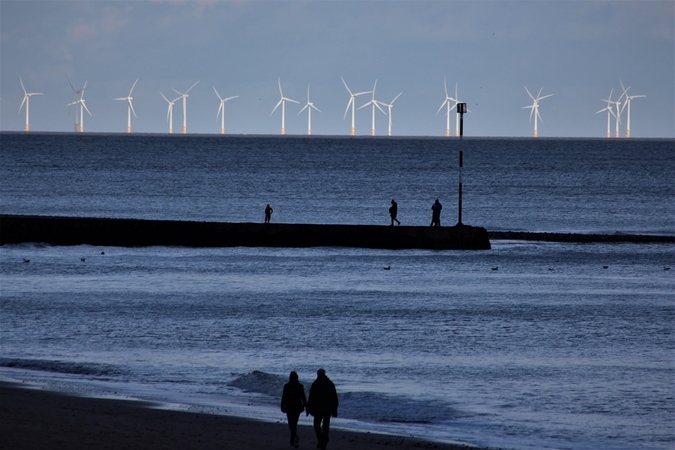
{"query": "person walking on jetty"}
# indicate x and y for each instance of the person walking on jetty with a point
(393, 212)
(268, 213)
(293, 403)
(323, 404)
(436, 213)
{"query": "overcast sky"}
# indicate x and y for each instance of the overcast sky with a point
(576, 50)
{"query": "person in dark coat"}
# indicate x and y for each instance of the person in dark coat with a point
(293, 403)
(393, 212)
(323, 404)
(268, 213)
(436, 213)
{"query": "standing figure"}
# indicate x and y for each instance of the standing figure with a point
(268, 213)
(323, 404)
(393, 212)
(293, 402)
(436, 213)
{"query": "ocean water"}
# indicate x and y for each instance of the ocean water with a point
(530, 345)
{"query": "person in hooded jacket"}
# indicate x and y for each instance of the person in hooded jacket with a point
(293, 403)
(323, 404)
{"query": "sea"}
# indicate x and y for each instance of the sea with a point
(529, 345)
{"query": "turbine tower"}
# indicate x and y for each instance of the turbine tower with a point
(625, 105)
(169, 112)
(390, 106)
(221, 109)
(617, 115)
(446, 103)
(610, 113)
(352, 103)
(184, 96)
(534, 107)
(130, 106)
(282, 102)
(309, 106)
(26, 100)
(375, 104)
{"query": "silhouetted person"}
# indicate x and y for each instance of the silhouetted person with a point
(393, 212)
(293, 403)
(323, 404)
(268, 213)
(436, 213)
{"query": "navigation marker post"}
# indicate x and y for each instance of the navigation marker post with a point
(461, 109)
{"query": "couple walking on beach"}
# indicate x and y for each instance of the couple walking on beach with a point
(322, 404)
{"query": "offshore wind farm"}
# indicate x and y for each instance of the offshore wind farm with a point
(614, 108)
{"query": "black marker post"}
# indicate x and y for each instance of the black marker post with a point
(461, 109)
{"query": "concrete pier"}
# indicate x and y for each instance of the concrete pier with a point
(142, 233)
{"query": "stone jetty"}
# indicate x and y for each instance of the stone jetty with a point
(142, 233)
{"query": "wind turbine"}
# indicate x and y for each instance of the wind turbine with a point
(625, 105)
(352, 103)
(282, 102)
(221, 109)
(169, 113)
(83, 107)
(534, 107)
(309, 106)
(75, 102)
(390, 106)
(446, 103)
(26, 100)
(184, 95)
(130, 107)
(610, 113)
(375, 104)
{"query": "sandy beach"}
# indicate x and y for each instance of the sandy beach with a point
(38, 419)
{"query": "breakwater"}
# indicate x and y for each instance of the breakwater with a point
(16, 229)
(578, 237)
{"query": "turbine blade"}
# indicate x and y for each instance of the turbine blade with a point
(219, 97)
(132, 87)
(230, 98)
(351, 100)
(71, 84)
(192, 87)
(275, 108)
(312, 106)
(376, 103)
(345, 83)
(22, 86)
(529, 93)
(131, 105)
(85, 107)
(392, 102)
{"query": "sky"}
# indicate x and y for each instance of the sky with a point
(578, 51)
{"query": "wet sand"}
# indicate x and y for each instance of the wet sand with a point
(38, 419)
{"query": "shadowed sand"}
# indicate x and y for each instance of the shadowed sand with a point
(36, 419)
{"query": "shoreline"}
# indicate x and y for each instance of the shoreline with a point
(36, 419)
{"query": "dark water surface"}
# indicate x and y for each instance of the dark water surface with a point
(530, 345)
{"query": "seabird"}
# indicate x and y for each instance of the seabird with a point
(26, 260)
(387, 268)
(495, 268)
